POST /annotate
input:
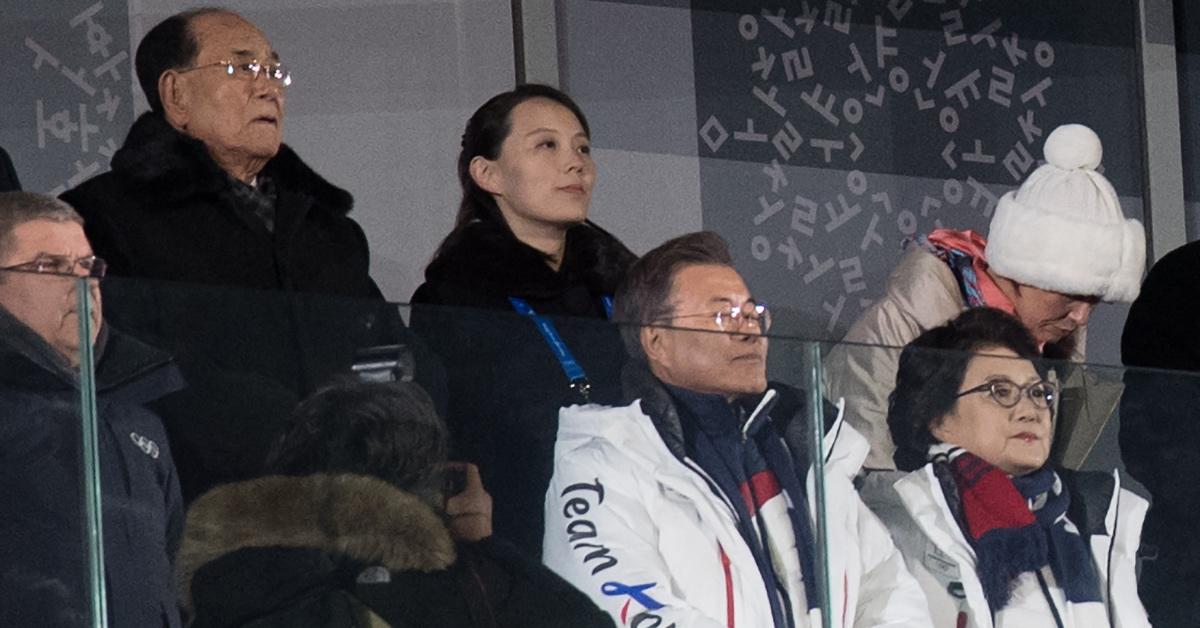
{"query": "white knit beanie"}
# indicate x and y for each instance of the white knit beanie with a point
(1063, 229)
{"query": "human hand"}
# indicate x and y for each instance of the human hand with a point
(469, 510)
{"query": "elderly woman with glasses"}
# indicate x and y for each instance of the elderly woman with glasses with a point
(995, 535)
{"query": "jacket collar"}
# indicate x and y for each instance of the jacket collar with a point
(28, 362)
(359, 517)
(171, 166)
(779, 406)
(488, 255)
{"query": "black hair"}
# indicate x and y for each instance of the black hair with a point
(486, 131)
(931, 371)
(644, 297)
(170, 45)
(386, 430)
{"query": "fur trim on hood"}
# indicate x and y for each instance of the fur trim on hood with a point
(171, 166)
(490, 257)
(360, 517)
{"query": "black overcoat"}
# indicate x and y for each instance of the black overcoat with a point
(505, 385)
(41, 469)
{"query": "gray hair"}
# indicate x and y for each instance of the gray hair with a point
(18, 208)
(388, 430)
(644, 297)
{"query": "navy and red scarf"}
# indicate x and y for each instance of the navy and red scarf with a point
(1016, 525)
(750, 468)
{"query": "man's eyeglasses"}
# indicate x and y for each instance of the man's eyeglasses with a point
(1008, 393)
(249, 70)
(735, 317)
(93, 267)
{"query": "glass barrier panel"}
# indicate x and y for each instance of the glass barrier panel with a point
(46, 538)
(514, 405)
(594, 461)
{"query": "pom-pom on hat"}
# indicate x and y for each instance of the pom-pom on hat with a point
(1063, 229)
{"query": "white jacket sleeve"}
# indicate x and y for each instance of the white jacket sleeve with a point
(1128, 516)
(889, 595)
(601, 538)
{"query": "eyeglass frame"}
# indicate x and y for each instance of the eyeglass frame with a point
(232, 67)
(761, 316)
(1022, 391)
(96, 267)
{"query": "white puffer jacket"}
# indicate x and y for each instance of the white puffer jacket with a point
(914, 509)
(640, 531)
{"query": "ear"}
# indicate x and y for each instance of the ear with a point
(485, 174)
(174, 99)
(654, 343)
(940, 431)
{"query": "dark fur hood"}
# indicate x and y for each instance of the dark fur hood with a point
(170, 166)
(487, 256)
(359, 517)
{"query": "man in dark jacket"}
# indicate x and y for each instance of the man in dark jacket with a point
(43, 252)
(203, 191)
(361, 528)
(1160, 433)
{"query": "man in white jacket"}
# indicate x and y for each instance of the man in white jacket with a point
(681, 509)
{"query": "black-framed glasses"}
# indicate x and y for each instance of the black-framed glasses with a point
(735, 317)
(249, 70)
(63, 265)
(1008, 393)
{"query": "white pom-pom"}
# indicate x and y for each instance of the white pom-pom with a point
(1074, 146)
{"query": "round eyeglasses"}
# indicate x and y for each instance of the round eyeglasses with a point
(249, 70)
(62, 265)
(735, 317)
(1008, 393)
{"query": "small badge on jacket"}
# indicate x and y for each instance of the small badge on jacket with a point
(149, 447)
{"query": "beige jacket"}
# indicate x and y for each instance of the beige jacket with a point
(922, 293)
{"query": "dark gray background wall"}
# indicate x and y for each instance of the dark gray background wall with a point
(384, 87)
(933, 112)
(382, 92)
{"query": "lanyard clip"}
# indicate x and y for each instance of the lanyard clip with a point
(582, 386)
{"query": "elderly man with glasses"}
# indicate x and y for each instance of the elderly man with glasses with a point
(689, 507)
(43, 561)
(204, 192)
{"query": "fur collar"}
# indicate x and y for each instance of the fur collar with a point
(355, 516)
(170, 166)
(487, 256)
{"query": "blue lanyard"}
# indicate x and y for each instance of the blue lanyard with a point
(570, 366)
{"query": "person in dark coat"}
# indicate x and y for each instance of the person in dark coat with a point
(355, 533)
(521, 247)
(8, 174)
(43, 559)
(1160, 431)
(207, 217)
(203, 189)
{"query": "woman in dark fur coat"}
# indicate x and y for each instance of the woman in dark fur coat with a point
(522, 247)
(356, 533)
